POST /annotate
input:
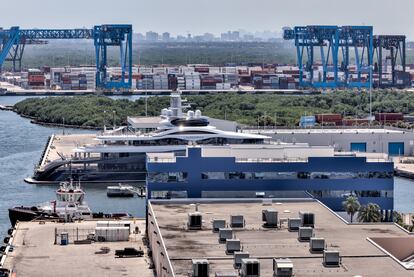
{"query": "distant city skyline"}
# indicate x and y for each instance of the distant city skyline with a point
(230, 35)
(213, 16)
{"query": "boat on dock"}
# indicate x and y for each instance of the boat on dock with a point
(69, 206)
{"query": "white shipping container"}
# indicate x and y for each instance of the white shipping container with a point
(158, 70)
(228, 69)
(117, 233)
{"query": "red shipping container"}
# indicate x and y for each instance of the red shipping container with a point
(389, 117)
(328, 118)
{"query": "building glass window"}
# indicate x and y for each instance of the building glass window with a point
(294, 175)
(357, 193)
(167, 177)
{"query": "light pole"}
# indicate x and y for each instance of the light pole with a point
(370, 95)
(146, 100)
(104, 121)
(113, 113)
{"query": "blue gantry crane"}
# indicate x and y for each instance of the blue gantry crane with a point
(390, 50)
(13, 41)
(334, 44)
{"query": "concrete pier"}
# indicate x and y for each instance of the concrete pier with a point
(35, 253)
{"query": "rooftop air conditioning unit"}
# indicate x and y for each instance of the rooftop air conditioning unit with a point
(238, 256)
(250, 268)
(218, 224)
(305, 233)
(237, 221)
(294, 224)
(200, 268)
(331, 258)
(308, 219)
(282, 268)
(317, 244)
(232, 245)
(225, 233)
(194, 221)
(270, 218)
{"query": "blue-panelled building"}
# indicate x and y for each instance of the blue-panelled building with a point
(329, 179)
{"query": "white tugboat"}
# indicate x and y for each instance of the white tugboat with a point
(69, 206)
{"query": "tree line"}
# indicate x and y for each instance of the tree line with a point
(246, 109)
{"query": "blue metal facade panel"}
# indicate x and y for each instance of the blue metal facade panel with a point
(195, 164)
(396, 148)
(358, 147)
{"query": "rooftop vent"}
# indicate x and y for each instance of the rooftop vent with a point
(282, 268)
(233, 245)
(294, 224)
(270, 218)
(194, 221)
(200, 268)
(317, 244)
(237, 221)
(331, 258)
(308, 219)
(225, 233)
(305, 233)
(218, 223)
(238, 256)
(250, 268)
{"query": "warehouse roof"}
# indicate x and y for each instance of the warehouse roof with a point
(359, 255)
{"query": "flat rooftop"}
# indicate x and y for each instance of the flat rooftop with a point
(326, 131)
(359, 255)
(35, 253)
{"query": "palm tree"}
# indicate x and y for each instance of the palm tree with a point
(369, 213)
(351, 205)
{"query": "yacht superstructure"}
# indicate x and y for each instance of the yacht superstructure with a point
(119, 155)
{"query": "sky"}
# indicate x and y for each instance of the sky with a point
(214, 16)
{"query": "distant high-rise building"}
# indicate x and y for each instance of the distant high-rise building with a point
(139, 37)
(165, 36)
(248, 37)
(180, 38)
(208, 37)
(225, 36)
(230, 36)
(235, 35)
(151, 36)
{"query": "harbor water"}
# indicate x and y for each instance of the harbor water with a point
(21, 144)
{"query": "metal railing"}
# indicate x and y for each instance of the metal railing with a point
(270, 160)
(74, 234)
(161, 160)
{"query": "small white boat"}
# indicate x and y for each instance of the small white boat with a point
(120, 191)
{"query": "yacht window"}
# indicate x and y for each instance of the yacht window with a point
(192, 132)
